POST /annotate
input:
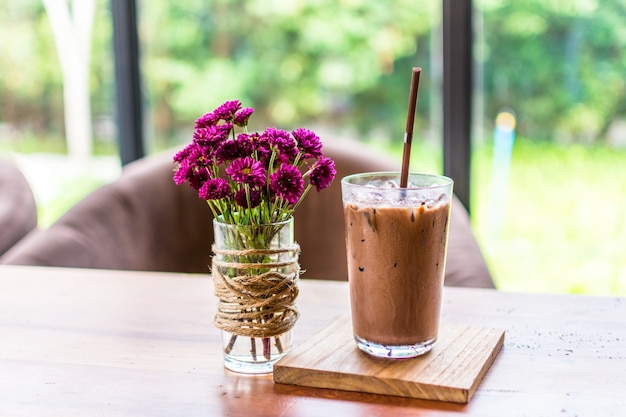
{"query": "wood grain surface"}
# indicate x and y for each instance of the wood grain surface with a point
(76, 342)
(451, 371)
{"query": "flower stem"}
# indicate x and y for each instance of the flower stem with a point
(279, 345)
(253, 348)
(267, 348)
(306, 191)
(231, 344)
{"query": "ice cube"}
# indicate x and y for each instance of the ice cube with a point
(391, 184)
(414, 200)
(434, 202)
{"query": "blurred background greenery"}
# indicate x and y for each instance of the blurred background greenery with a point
(342, 67)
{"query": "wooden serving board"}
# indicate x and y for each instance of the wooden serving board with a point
(451, 371)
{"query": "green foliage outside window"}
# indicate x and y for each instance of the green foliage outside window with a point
(344, 64)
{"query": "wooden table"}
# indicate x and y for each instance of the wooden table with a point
(110, 343)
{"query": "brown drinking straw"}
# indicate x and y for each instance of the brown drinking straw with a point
(408, 133)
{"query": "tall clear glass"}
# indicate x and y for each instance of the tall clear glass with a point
(396, 245)
(255, 274)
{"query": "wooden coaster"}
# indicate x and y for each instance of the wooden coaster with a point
(451, 371)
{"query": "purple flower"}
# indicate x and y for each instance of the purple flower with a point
(193, 162)
(308, 142)
(183, 173)
(199, 156)
(323, 173)
(260, 146)
(182, 155)
(203, 135)
(247, 171)
(283, 143)
(230, 168)
(212, 135)
(214, 189)
(287, 183)
(198, 178)
(241, 197)
(242, 116)
(208, 120)
(210, 138)
(227, 110)
(233, 149)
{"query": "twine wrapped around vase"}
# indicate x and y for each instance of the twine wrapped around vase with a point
(259, 299)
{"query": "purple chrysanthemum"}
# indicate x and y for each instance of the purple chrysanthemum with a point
(214, 189)
(241, 197)
(212, 135)
(233, 149)
(198, 178)
(183, 154)
(183, 173)
(193, 162)
(203, 135)
(323, 173)
(242, 116)
(247, 171)
(208, 120)
(308, 142)
(287, 183)
(199, 156)
(227, 110)
(224, 162)
(283, 142)
(259, 146)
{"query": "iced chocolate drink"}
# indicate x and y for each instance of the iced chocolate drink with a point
(396, 243)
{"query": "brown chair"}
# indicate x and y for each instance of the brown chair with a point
(18, 211)
(143, 221)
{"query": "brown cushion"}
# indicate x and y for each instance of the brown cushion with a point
(144, 221)
(18, 211)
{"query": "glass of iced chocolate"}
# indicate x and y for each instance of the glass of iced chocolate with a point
(396, 242)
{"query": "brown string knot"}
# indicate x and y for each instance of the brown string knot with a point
(256, 297)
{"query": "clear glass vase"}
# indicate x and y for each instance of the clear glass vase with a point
(255, 274)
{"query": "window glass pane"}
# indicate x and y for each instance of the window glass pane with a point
(549, 209)
(341, 68)
(56, 109)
